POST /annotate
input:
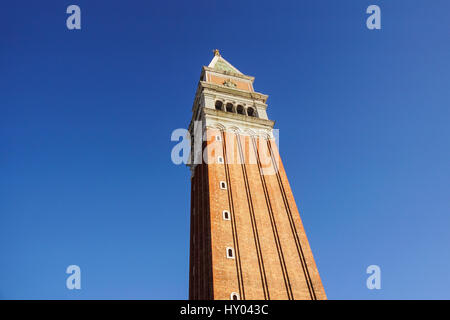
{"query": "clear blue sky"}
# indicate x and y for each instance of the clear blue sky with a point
(86, 118)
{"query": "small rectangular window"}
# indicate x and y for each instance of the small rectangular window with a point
(223, 185)
(220, 159)
(230, 253)
(226, 215)
(234, 296)
(218, 138)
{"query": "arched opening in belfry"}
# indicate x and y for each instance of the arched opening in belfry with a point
(219, 105)
(240, 109)
(229, 107)
(251, 112)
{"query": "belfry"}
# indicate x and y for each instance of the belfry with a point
(247, 240)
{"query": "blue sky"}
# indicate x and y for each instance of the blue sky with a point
(86, 119)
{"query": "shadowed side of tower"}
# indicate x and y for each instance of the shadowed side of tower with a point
(247, 238)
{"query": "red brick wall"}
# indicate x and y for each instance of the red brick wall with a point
(273, 259)
(242, 85)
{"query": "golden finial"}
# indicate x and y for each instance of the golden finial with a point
(216, 52)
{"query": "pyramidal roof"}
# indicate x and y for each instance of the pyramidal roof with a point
(220, 64)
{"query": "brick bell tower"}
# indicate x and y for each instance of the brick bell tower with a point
(247, 239)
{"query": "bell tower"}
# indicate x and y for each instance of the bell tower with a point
(247, 239)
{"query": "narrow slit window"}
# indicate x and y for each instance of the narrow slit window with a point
(218, 138)
(235, 296)
(226, 215)
(223, 185)
(230, 253)
(220, 159)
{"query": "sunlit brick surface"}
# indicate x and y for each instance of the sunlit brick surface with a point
(273, 259)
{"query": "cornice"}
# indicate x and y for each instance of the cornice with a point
(239, 117)
(233, 91)
(234, 119)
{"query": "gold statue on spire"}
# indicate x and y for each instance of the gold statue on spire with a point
(217, 52)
